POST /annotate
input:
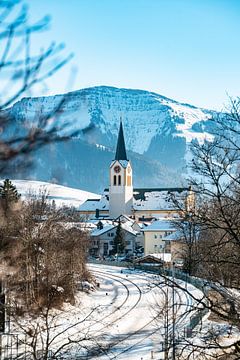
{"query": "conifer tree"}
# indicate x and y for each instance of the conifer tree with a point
(119, 241)
(8, 194)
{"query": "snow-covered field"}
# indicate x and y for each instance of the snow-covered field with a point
(62, 195)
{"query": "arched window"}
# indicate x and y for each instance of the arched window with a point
(114, 180)
(119, 179)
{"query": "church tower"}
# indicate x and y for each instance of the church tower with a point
(121, 188)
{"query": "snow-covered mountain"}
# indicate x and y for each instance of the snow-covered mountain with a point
(157, 130)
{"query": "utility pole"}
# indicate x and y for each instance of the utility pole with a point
(166, 318)
(173, 313)
(166, 325)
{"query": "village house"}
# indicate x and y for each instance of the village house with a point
(102, 238)
(155, 235)
(176, 244)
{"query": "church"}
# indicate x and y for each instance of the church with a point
(140, 204)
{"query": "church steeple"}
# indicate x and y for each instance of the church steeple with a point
(121, 149)
(121, 188)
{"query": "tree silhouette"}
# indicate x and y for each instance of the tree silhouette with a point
(21, 70)
(119, 241)
(8, 195)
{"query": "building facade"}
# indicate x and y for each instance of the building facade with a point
(102, 239)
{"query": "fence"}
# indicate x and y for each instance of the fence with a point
(12, 346)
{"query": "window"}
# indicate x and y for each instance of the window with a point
(167, 233)
(119, 179)
(114, 180)
(105, 249)
(155, 236)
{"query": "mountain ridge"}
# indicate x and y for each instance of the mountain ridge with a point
(74, 92)
(158, 129)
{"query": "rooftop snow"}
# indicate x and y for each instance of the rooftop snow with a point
(108, 227)
(160, 225)
(144, 199)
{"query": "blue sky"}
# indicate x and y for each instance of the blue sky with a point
(187, 50)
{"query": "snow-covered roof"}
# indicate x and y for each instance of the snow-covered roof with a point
(162, 256)
(143, 199)
(166, 257)
(160, 225)
(157, 199)
(93, 204)
(128, 227)
(174, 236)
(125, 218)
(107, 227)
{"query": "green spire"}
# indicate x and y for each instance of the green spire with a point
(121, 149)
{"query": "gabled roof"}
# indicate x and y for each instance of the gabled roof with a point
(125, 218)
(109, 227)
(174, 236)
(98, 232)
(160, 225)
(151, 259)
(121, 149)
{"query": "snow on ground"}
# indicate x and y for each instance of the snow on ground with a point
(124, 316)
(62, 195)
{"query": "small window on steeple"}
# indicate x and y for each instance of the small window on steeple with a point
(114, 180)
(119, 179)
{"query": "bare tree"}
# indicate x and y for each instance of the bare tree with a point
(52, 334)
(216, 239)
(21, 70)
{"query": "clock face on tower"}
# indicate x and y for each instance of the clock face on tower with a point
(117, 169)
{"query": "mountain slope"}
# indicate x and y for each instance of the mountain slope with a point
(62, 195)
(157, 130)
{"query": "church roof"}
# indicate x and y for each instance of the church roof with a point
(140, 193)
(158, 198)
(143, 199)
(121, 149)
